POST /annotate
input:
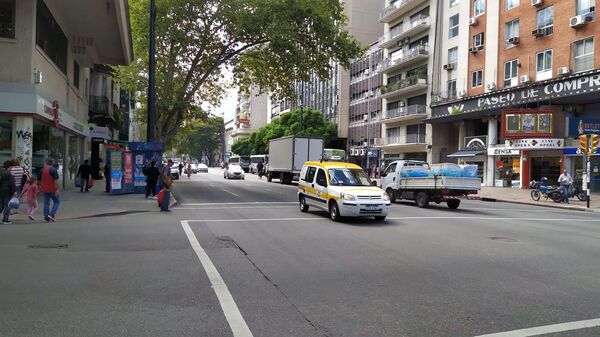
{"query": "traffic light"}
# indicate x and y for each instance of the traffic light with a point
(594, 140)
(583, 147)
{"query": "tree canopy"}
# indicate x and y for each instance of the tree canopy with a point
(266, 42)
(288, 124)
(200, 138)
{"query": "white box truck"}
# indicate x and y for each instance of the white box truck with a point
(288, 154)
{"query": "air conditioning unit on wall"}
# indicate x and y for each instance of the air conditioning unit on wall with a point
(525, 79)
(473, 21)
(449, 66)
(537, 2)
(514, 40)
(563, 71)
(579, 21)
(491, 86)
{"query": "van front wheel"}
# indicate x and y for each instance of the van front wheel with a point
(334, 211)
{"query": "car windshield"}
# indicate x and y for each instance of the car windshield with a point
(348, 177)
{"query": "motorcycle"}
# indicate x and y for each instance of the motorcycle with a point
(540, 188)
(578, 192)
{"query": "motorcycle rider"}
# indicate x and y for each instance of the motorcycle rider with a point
(259, 169)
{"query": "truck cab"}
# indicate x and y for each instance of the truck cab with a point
(390, 178)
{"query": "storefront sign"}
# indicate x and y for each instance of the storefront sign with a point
(373, 153)
(502, 151)
(579, 84)
(535, 143)
(128, 168)
(582, 126)
(475, 143)
(99, 132)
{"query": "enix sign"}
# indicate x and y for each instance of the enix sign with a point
(535, 143)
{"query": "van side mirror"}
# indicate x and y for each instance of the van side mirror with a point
(384, 174)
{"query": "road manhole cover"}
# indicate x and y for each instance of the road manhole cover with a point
(503, 239)
(50, 246)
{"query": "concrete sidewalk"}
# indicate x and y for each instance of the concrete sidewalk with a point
(523, 196)
(95, 203)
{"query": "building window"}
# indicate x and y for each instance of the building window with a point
(511, 73)
(453, 55)
(76, 74)
(50, 37)
(478, 7)
(451, 86)
(545, 20)
(7, 19)
(544, 65)
(477, 78)
(511, 30)
(454, 3)
(453, 26)
(510, 4)
(478, 40)
(583, 55)
(585, 7)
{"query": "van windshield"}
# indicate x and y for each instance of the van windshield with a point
(348, 177)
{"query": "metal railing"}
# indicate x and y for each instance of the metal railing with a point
(405, 83)
(422, 50)
(392, 8)
(98, 105)
(411, 110)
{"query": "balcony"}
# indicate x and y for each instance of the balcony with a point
(405, 86)
(409, 57)
(405, 113)
(394, 36)
(397, 9)
(405, 143)
(99, 110)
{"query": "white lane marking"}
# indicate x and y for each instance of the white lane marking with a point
(237, 195)
(548, 329)
(232, 313)
(402, 218)
(240, 203)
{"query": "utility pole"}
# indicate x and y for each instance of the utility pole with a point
(151, 124)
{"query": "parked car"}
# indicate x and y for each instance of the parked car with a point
(202, 168)
(175, 172)
(342, 189)
(234, 172)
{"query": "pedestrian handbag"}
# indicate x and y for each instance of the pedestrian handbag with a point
(14, 203)
(91, 182)
(78, 183)
(160, 197)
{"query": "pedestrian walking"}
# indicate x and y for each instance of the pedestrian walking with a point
(49, 183)
(180, 167)
(259, 169)
(7, 191)
(565, 180)
(189, 171)
(152, 174)
(84, 172)
(31, 191)
(107, 177)
(18, 173)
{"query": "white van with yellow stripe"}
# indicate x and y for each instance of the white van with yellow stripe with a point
(342, 189)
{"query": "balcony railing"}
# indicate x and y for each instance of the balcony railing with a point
(403, 84)
(411, 54)
(411, 110)
(388, 13)
(416, 25)
(98, 105)
(405, 140)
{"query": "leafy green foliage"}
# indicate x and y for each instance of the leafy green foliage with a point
(267, 42)
(199, 137)
(288, 124)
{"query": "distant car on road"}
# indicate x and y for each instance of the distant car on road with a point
(175, 172)
(202, 168)
(234, 172)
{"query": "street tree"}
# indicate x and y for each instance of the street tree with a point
(288, 124)
(271, 43)
(200, 138)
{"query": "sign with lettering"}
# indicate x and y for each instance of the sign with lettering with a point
(580, 84)
(535, 143)
(502, 151)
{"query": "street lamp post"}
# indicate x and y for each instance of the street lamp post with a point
(151, 124)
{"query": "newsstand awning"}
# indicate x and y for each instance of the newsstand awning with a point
(466, 153)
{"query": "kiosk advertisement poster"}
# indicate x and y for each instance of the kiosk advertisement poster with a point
(128, 168)
(143, 153)
(116, 174)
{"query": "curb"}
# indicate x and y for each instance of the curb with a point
(541, 205)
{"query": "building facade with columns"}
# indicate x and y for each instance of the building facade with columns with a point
(532, 71)
(49, 49)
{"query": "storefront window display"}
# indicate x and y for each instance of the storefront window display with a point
(548, 167)
(5, 139)
(508, 172)
(48, 142)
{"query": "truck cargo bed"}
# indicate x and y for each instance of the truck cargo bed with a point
(440, 182)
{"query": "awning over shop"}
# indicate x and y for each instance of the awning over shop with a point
(466, 153)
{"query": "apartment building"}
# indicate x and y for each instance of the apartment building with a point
(331, 95)
(365, 108)
(250, 113)
(532, 86)
(407, 44)
(49, 51)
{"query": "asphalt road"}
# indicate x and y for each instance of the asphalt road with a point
(484, 268)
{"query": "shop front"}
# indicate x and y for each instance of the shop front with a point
(507, 166)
